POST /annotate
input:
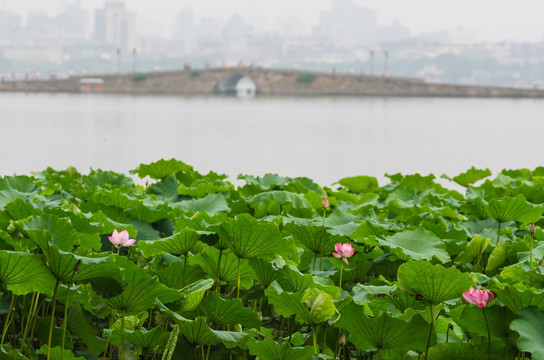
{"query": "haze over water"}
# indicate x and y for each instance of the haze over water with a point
(321, 138)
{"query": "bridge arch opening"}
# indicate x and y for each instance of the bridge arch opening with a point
(238, 85)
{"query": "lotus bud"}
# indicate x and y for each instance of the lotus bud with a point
(342, 339)
(470, 184)
(325, 203)
(532, 229)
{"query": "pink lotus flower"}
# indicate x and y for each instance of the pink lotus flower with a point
(343, 251)
(478, 297)
(325, 203)
(121, 239)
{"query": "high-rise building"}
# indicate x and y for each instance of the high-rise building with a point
(347, 24)
(115, 25)
(185, 27)
(10, 23)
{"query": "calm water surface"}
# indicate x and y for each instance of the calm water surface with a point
(321, 138)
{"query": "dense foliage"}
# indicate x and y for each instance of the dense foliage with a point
(225, 272)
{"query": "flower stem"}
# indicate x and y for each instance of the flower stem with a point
(341, 271)
(9, 317)
(184, 269)
(488, 336)
(65, 322)
(238, 281)
(218, 280)
(122, 348)
(430, 332)
(314, 335)
(51, 323)
(322, 239)
(498, 234)
(531, 263)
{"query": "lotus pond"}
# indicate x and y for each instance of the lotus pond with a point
(276, 268)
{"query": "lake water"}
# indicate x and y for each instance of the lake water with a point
(321, 138)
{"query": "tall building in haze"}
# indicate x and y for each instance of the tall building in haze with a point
(10, 23)
(115, 25)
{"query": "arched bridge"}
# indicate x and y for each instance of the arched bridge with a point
(266, 82)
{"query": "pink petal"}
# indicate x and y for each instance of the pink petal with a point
(468, 298)
(338, 256)
(123, 236)
(346, 261)
(338, 248)
(350, 252)
(129, 242)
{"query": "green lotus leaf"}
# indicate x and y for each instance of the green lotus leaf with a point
(474, 249)
(149, 214)
(79, 325)
(56, 353)
(139, 291)
(273, 202)
(248, 238)
(228, 312)
(181, 243)
(166, 190)
(161, 169)
(170, 270)
(359, 184)
(416, 244)
(434, 282)
(24, 273)
(267, 182)
(63, 234)
(209, 258)
(499, 318)
(141, 339)
(192, 295)
(267, 349)
(62, 263)
(341, 222)
(107, 178)
(288, 304)
(355, 273)
(518, 209)
(531, 334)
(498, 256)
(201, 188)
(389, 335)
(471, 176)
(310, 236)
(266, 271)
(455, 351)
(320, 304)
(197, 332)
(292, 280)
(369, 229)
(114, 198)
(8, 353)
(212, 204)
(521, 275)
(19, 209)
(517, 297)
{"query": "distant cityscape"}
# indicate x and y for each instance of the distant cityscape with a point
(346, 39)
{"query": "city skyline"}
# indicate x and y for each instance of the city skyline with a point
(485, 20)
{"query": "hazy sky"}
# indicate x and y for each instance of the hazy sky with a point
(493, 20)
